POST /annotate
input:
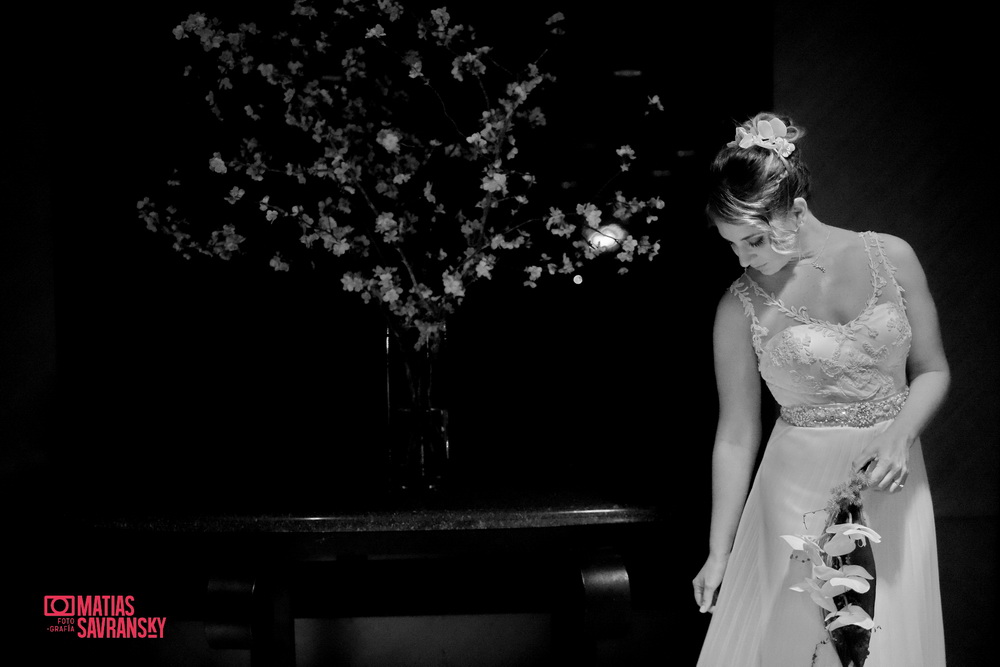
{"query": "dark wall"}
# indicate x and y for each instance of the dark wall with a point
(895, 111)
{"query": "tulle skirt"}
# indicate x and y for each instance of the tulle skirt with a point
(760, 622)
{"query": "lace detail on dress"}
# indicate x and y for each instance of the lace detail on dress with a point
(757, 332)
(816, 361)
(890, 269)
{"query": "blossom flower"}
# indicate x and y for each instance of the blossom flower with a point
(485, 267)
(534, 273)
(226, 241)
(267, 71)
(352, 282)
(627, 154)
(590, 213)
(377, 31)
(217, 165)
(388, 140)
(441, 17)
(339, 247)
(477, 139)
(496, 182)
(278, 264)
(470, 62)
(453, 285)
(385, 222)
(556, 222)
(235, 194)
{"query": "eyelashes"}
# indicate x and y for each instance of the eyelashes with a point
(755, 243)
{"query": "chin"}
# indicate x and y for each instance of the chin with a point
(772, 268)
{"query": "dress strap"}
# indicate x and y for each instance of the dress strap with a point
(739, 289)
(872, 241)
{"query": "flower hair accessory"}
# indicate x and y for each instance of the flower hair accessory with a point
(769, 134)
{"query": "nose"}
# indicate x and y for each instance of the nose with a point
(743, 255)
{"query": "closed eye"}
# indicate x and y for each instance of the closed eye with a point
(757, 242)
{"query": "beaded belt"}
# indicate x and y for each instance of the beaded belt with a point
(855, 415)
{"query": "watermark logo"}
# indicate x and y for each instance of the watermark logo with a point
(60, 605)
(100, 617)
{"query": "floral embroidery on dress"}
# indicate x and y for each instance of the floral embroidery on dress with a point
(806, 382)
(791, 351)
(898, 322)
(860, 371)
(877, 355)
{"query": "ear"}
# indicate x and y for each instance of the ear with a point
(799, 211)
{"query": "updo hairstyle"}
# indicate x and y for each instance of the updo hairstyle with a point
(755, 185)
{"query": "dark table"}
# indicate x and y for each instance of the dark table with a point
(591, 562)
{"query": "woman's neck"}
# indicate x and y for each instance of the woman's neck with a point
(812, 238)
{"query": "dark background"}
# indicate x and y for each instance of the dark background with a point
(131, 379)
(234, 383)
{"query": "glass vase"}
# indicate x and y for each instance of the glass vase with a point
(416, 396)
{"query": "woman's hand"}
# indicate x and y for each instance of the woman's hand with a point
(706, 584)
(886, 460)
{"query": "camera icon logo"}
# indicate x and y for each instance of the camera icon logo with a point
(60, 605)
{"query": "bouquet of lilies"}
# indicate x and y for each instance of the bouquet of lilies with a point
(843, 571)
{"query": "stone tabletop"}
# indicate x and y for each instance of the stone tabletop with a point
(458, 511)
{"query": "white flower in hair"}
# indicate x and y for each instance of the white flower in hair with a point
(768, 134)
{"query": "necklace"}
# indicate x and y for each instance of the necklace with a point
(813, 262)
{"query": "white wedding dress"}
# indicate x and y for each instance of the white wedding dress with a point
(826, 372)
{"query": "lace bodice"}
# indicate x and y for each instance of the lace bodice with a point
(811, 361)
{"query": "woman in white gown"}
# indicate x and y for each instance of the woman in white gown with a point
(858, 371)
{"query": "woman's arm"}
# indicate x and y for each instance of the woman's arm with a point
(927, 369)
(737, 439)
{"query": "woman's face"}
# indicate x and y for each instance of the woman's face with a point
(753, 247)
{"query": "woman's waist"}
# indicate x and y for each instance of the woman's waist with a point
(859, 414)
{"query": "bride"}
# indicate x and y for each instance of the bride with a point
(843, 330)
